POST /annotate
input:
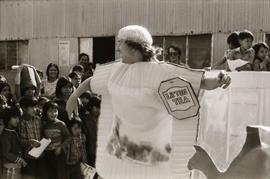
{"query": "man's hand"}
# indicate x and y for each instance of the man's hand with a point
(224, 79)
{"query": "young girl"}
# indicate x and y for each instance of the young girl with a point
(41, 102)
(75, 79)
(6, 91)
(57, 131)
(76, 152)
(64, 89)
(11, 149)
(261, 56)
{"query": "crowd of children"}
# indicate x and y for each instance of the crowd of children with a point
(40, 112)
(241, 47)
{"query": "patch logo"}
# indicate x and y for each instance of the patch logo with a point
(179, 98)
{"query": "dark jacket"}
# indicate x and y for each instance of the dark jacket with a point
(11, 148)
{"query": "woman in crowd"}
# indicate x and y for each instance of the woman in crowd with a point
(49, 84)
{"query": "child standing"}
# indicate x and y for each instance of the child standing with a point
(79, 69)
(29, 130)
(64, 88)
(233, 43)
(75, 79)
(244, 52)
(76, 152)
(261, 56)
(84, 99)
(90, 122)
(11, 150)
(41, 102)
(57, 131)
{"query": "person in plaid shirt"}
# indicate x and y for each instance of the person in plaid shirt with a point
(29, 131)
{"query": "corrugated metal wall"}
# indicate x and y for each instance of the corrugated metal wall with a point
(45, 51)
(46, 19)
(69, 18)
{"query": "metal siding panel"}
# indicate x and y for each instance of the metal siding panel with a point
(40, 26)
(265, 15)
(71, 18)
(195, 16)
(111, 17)
(2, 20)
(55, 19)
(220, 45)
(67, 18)
(91, 18)
(8, 21)
(45, 51)
(206, 15)
(134, 12)
(160, 14)
(181, 17)
(25, 20)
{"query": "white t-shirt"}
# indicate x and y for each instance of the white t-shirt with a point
(49, 87)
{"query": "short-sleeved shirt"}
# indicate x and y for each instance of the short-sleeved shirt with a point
(49, 87)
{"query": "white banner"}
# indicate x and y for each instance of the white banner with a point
(226, 113)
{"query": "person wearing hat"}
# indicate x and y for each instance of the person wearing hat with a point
(27, 81)
(29, 131)
(135, 129)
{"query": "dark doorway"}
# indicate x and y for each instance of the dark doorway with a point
(103, 49)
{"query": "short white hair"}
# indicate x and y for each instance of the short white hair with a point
(135, 33)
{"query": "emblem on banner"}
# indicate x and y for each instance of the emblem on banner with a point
(179, 98)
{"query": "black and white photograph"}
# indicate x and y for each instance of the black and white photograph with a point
(134, 89)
